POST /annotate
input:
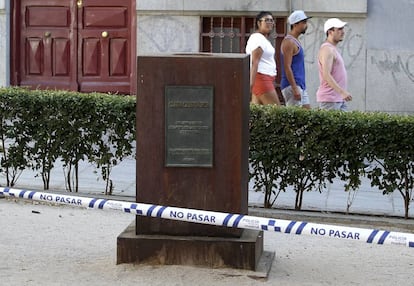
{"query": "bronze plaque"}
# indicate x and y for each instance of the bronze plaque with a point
(189, 126)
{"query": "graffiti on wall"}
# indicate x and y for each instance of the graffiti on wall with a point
(390, 78)
(395, 65)
(165, 34)
(351, 47)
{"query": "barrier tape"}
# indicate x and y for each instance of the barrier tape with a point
(373, 236)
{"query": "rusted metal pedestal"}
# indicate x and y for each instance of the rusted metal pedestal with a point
(192, 152)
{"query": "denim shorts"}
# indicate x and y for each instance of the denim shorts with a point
(290, 99)
(342, 106)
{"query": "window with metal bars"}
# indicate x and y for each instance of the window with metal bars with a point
(230, 35)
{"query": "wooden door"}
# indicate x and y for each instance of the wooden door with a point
(105, 45)
(47, 44)
(82, 45)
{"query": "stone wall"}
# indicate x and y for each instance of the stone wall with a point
(174, 26)
(4, 44)
(378, 49)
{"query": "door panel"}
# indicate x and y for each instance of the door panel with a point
(99, 17)
(105, 46)
(91, 57)
(61, 56)
(48, 55)
(47, 16)
(118, 57)
(34, 52)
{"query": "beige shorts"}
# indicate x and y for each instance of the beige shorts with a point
(290, 99)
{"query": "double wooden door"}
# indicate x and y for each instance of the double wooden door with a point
(84, 45)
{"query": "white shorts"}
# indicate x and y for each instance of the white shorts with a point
(290, 99)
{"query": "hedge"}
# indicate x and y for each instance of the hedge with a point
(308, 148)
(289, 147)
(40, 127)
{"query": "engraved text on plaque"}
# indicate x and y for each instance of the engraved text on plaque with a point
(189, 126)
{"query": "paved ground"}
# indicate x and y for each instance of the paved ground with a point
(59, 245)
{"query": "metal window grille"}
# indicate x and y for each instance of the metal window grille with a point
(230, 35)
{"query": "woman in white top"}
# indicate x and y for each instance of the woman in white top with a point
(262, 61)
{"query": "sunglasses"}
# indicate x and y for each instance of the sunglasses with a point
(267, 20)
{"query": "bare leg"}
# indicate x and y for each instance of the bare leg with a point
(255, 99)
(269, 98)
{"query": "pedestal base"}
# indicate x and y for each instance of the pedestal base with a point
(242, 253)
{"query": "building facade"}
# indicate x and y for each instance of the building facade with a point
(377, 49)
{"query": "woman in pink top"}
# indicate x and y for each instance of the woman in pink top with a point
(332, 92)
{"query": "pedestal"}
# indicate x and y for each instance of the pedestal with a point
(192, 152)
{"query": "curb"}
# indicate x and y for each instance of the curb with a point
(362, 221)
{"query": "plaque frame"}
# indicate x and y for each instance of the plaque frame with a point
(189, 126)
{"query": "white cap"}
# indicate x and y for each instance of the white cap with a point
(297, 16)
(333, 23)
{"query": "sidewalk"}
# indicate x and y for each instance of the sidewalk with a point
(61, 245)
(333, 199)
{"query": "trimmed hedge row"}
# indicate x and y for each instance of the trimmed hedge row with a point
(289, 147)
(308, 148)
(40, 127)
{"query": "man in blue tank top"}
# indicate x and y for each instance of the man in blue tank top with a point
(292, 58)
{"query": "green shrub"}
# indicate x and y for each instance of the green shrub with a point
(289, 147)
(305, 149)
(40, 127)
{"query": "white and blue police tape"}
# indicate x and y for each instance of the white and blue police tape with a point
(373, 236)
